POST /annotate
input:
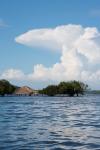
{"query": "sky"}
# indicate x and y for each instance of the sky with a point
(47, 41)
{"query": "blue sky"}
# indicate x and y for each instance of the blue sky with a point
(20, 16)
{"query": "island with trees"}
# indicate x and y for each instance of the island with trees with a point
(8, 89)
(70, 88)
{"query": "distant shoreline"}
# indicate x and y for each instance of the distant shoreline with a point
(40, 95)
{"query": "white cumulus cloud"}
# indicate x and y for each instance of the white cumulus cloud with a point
(12, 74)
(80, 53)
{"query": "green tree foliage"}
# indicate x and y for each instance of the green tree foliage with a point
(70, 88)
(6, 87)
(50, 90)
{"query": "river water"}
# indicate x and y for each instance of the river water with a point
(50, 123)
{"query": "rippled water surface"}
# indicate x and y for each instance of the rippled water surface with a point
(50, 123)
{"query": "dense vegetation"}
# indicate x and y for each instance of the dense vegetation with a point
(70, 88)
(6, 87)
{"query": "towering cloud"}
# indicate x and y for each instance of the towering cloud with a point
(80, 53)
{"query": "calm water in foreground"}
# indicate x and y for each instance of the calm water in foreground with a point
(50, 123)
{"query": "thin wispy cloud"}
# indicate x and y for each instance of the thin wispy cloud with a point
(95, 13)
(3, 24)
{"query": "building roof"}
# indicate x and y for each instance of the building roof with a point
(24, 90)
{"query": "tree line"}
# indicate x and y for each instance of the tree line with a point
(6, 87)
(71, 88)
